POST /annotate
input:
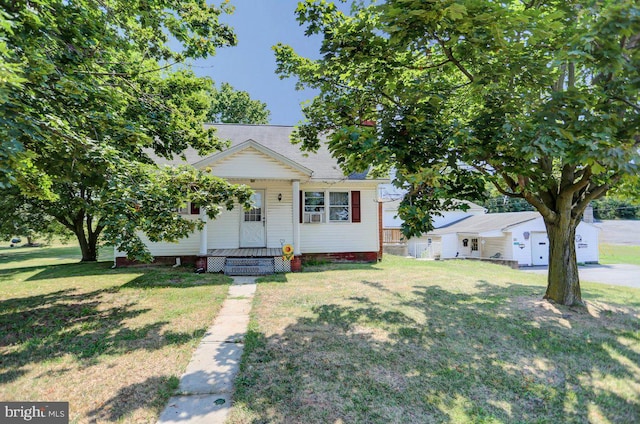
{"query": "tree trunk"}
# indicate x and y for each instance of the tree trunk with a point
(563, 282)
(89, 249)
(88, 245)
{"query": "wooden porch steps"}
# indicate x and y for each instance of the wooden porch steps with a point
(249, 266)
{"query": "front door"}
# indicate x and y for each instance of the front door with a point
(253, 223)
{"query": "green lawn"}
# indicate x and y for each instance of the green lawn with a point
(54, 254)
(113, 343)
(407, 341)
(619, 254)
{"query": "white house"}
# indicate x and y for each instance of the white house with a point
(516, 236)
(301, 199)
(391, 196)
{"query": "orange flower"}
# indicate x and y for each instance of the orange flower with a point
(287, 249)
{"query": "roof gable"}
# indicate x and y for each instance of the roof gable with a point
(250, 159)
(274, 142)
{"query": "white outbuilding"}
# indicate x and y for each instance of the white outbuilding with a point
(516, 236)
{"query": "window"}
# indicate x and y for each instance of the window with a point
(188, 209)
(255, 213)
(314, 207)
(339, 206)
(329, 206)
(474, 244)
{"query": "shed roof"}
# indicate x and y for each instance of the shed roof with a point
(277, 139)
(486, 222)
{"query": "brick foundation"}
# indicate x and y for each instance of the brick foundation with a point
(296, 262)
(159, 260)
(341, 257)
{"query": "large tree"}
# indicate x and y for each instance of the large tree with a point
(232, 106)
(94, 95)
(538, 97)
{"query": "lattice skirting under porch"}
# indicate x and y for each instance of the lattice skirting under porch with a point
(281, 265)
(216, 264)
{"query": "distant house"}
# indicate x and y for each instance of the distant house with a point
(473, 233)
(394, 241)
(517, 236)
(301, 199)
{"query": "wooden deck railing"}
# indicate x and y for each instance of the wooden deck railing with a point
(392, 236)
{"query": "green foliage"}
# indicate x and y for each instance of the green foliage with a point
(24, 217)
(236, 107)
(538, 98)
(506, 204)
(91, 100)
(614, 208)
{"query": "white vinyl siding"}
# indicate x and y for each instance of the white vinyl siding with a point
(330, 237)
(344, 237)
(183, 247)
(224, 231)
(250, 163)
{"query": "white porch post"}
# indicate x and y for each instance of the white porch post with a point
(203, 232)
(295, 187)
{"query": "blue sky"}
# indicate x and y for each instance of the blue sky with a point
(250, 66)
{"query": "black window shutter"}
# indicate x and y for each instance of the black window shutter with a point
(301, 206)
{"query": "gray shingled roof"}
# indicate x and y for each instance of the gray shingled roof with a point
(276, 138)
(486, 222)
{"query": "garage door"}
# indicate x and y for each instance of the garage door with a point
(539, 249)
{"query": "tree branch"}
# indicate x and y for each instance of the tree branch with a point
(625, 101)
(583, 182)
(505, 192)
(544, 210)
(599, 191)
(422, 68)
(455, 61)
(567, 177)
(127, 75)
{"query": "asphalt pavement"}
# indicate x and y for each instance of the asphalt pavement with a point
(613, 274)
(619, 231)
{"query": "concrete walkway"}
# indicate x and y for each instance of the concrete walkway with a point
(204, 394)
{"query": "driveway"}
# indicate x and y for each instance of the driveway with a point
(614, 274)
(619, 231)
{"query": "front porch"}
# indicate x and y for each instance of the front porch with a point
(246, 252)
(247, 261)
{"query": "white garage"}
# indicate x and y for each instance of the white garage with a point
(518, 236)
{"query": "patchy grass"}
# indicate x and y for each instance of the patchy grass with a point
(54, 254)
(619, 254)
(112, 343)
(452, 341)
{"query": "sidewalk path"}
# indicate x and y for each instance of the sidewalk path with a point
(204, 394)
